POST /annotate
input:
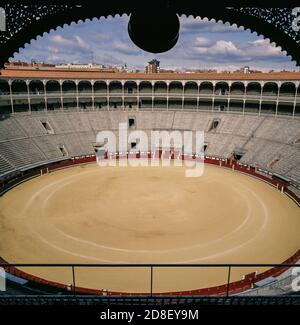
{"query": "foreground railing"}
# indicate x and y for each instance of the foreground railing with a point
(257, 279)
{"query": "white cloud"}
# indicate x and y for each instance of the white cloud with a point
(125, 48)
(52, 49)
(226, 47)
(220, 47)
(202, 41)
(221, 51)
(74, 41)
(262, 47)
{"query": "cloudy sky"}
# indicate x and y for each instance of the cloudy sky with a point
(202, 44)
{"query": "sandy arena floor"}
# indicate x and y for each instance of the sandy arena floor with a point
(92, 214)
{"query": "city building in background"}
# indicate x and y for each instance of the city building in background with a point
(153, 66)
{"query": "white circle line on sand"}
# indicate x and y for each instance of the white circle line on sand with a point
(243, 224)
(166, 251)
(63, 182)
(265, 222)
(138, 251)
(63, 250)
(41, 190)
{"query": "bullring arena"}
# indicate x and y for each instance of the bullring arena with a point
(73, 216)
(59, 206)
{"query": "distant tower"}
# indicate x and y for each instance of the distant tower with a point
(246, 69)
(153, 66)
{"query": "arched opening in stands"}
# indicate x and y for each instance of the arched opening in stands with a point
(190, 95)
(160, 90)
(69, 87)
(100, 95)
(115, 87)
(222, 88)
(5, 104)
(176, 87)
(37, 95)
(130, 88)
(85, 87)
(69, 91)
(4, 87)
(145, 91)
(53, 87)
(53, 95)
(237, 89)
(270, 93)
(206, 88)
(191, 88)
(287, 89)
(237, 93)
(130, 95)
(175, 90)
(253, 89)
(100, 88)
(270, 89)
(19, 87)
(115, 98)
(36, 87)
(145, 87)
(21, 104)
(286, 95)
(160, 87)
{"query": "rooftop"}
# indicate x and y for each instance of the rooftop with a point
(56, 73)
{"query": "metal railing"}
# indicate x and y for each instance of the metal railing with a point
(276, 272)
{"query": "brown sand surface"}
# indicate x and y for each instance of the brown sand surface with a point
(92, 214)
